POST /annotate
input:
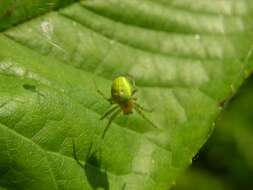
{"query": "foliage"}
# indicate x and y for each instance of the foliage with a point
(187, 58)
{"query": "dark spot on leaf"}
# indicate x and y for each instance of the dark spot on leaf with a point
(222, 103)
(29, 87)
(225, 102)
(33, 89)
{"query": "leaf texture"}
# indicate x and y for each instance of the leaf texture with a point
(186, 57)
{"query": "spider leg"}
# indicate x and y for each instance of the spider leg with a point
(134, 91)
(142, 108)
(131, 78)
(114, 115)
(124, 186)
(74, 154)
(108, 112)
(143, 116)
(102, 94)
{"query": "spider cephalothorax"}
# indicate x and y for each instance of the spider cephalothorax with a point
(123, 100)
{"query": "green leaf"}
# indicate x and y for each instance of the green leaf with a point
(186, 60)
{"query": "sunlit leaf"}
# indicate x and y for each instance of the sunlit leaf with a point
(186, 60)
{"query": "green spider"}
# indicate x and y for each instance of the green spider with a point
(123, 100)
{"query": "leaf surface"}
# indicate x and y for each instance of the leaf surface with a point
(186, 61)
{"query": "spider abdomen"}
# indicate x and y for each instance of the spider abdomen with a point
(121, 90)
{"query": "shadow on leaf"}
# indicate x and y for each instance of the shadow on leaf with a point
(97, 177)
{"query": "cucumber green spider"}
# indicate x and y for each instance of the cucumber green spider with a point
(123, 100)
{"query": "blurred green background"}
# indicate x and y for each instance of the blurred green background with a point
(226, 161)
